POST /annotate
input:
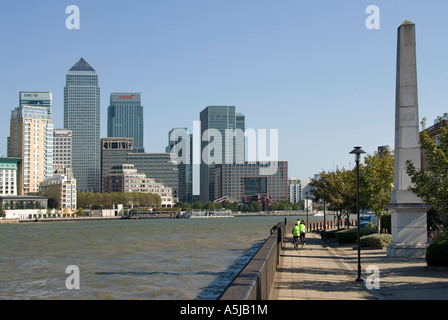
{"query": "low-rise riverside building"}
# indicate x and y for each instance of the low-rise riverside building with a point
(8, 176)
(24, 207)
(124, 178)
(159, 167)
(62, 189)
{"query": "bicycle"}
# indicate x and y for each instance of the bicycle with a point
(302, 239)
(296, 242)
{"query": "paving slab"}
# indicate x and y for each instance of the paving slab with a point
(315, 272)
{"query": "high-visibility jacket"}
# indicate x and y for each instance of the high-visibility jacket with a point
(302, 228)
(296, 231)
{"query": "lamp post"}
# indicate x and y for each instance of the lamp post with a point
(306, 204)
(357, 152)
(324, 185)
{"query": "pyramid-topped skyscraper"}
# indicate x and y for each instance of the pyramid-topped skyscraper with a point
(82, 116)
(82, 65)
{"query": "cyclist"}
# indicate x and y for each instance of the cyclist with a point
(296, 234)
(302, 229)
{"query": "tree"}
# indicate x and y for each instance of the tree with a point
(378, 179)
(255, 206)
(298, 205)
(118, 198)
(209, 205)
(431, 183)
(281, 205)
(183, 206)
(139, 199)
(230, 206)
(197, 205)
(79, 212)
(338, 191)
(52, 203)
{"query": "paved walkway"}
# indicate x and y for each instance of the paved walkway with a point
(317, 273)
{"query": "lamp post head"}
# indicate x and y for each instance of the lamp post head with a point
(357, 152)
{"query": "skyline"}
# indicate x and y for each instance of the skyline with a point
(311, 69)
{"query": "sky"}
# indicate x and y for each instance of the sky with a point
(309, 68)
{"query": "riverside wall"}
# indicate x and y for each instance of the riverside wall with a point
(256, 279)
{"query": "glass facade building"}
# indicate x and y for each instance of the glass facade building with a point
(180, 142)
(82, 116)
(125, 117)
(240, 145)
(218, 120)
(237, 180)
(38, 99)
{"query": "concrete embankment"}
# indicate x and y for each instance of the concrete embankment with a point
(9, 221)
(255, 281)
(162, 216)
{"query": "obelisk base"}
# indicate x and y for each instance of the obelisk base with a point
(409, 230)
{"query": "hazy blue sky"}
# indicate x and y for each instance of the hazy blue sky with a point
(308, 68)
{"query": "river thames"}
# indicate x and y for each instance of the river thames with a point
(145, 259)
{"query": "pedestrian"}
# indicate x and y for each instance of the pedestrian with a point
(296, 234)
(302, 229)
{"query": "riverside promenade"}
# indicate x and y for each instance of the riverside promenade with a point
(315, 272)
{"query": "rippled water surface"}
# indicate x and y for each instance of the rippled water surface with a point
(168, 259)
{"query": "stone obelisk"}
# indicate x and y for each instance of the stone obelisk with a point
(408, 212)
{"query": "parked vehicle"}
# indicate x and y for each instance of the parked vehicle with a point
(366, 220)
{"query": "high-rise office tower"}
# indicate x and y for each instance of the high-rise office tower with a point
(62, 152)
(38, 99)
(240, 123)
(125, 117)
(32, 140)
(82, 116)
(294, 190)
(218, 122)
(180, 142)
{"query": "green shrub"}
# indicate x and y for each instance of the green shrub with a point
(375, 240)
(371, 225)
(350, 235)
(437, 253)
